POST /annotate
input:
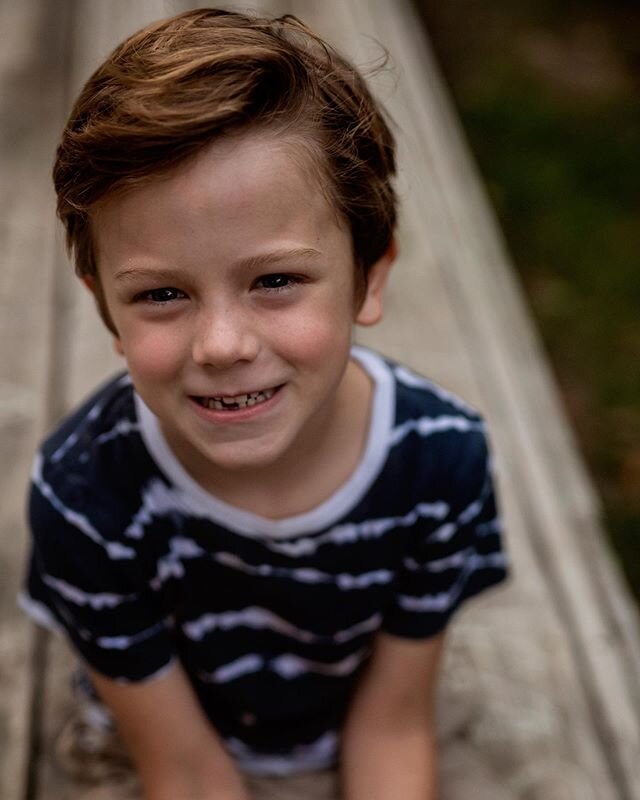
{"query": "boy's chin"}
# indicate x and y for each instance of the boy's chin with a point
(246, 457)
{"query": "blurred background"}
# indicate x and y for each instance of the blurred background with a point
(548, 96)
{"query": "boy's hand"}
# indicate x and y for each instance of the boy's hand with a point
(388, 745)
(177, 753)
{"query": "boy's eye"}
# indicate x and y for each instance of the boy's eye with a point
(276, 282)
(163, 295)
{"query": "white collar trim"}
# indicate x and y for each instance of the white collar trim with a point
(203, 503)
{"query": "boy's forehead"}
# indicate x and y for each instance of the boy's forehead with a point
(253, 189)
(239, 166)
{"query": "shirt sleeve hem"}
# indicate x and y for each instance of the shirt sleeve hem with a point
(152, 676)
(416, 626)
(41, 615)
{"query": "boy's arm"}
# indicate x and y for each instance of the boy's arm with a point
(176, 751)
(388, 745)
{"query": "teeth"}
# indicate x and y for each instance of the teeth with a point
(239, 401)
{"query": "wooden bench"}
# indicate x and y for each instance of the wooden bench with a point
(540, 695)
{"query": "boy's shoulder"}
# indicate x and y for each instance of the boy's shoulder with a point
(415, 396)
(435, 436)
(109, 404)
(93, 444)
(418, 396)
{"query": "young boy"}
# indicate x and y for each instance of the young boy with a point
(255, 537)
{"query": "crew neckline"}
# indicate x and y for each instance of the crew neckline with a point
(201, 502)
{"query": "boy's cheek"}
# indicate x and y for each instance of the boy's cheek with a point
(152, 357)
(304, 331)
(316, 336)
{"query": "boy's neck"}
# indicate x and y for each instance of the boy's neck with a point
(313, 470)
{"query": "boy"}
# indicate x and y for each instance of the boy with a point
(255, 537)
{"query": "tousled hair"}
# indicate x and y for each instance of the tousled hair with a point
(177, 85)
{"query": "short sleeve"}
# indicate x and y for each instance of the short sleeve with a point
(456, 556)
(89, 586)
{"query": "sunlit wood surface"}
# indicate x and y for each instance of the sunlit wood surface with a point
(540, 694)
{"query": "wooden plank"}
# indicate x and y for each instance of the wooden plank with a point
(31, 69)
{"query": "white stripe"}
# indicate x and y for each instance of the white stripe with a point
(170, 565)
(443, 533)
(487, 528)
(245, 665)
(38, 612)
(414, 381)
(380, 576)
(122, 428)
(93, 414)
(115, 550)
(157, 500)
(443, 601)
(446, 532)
(440, 564)
(343, 580)
(125, 642)
(317, 755)
(65, 447)
(427, 426)
(258, 618)
(367, 529)
(292, 666)
(79, 597)
(472, 510)
(287, 665)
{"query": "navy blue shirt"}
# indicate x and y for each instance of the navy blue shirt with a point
(272, 620)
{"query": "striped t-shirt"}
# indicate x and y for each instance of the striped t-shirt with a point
(272, 620)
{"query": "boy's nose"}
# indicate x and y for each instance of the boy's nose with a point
(223, 338)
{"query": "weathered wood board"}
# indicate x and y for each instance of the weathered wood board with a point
(32, 86)
(540, 697)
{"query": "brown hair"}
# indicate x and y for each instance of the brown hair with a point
(173, 87)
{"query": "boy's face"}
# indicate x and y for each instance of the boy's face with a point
(231, 286)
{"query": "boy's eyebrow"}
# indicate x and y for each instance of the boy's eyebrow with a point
(278, 256)
(252, 262)
(142, 272)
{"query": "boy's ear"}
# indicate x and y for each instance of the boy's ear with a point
(373, 304)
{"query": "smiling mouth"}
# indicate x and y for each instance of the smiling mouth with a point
(225, 403)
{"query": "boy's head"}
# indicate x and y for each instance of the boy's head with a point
(173, 88)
